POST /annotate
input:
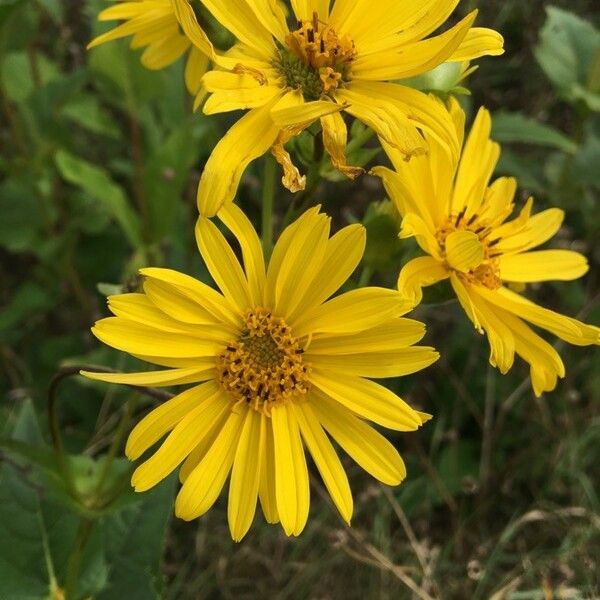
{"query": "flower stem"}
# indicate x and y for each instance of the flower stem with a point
(268, 196)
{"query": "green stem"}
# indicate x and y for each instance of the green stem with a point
(76, 557)
(268, 197)
(115, 444)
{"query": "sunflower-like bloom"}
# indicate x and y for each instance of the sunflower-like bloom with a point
(461, 221)
(276, 366)
(343, 59)
(153, 25)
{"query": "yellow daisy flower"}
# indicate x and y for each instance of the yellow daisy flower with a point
(460, 220)
(276, 367)
(153, 25)
(343, 59)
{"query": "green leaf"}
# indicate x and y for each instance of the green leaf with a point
(17, 76)
(122, 555)
(28, 300)
(516, 127)
(569, 54)
(21, 222)
(134, 540)
(166, 174)
(87, 113)
(97, 183)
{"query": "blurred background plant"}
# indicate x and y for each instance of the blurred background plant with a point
(99, 164)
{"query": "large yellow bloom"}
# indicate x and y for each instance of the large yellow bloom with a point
(275, 365)
(460, 220)
(153, 25)
(343, 59)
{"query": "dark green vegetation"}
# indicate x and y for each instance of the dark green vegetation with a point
(99, 164)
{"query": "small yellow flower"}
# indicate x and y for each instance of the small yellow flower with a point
(460, 220)
(276, 367)
(153, 25)
(343, 59)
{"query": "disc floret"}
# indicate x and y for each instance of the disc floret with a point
(316, 59)
(486, 271)
(264, 366)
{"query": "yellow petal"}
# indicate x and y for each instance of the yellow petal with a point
(136, 338)
(223, 264)
(272, 15)
(176, 305)
(424, 233)
(163, 418)
(417, 274)
(266, 489)
(189, 24)
(462, 293)
(186, 435)
(479, 41)
(279, 254)
(362, 442)
(206, 297)
(240, 99)
(368, 399)
(407, 187)
(388, 120)
(302, 261)
(387, 337)
(139, 308)
(342, 255)
(464, 251)
(353, 311)
(378, 364)
(498, 201)
(335, 137)
(164, 53)
(204, 484)
(543, 265)
(292, 109)
(291, 475)
(478, 161)
(250, 137)
(241, 19)
(500, 337)
(254, 262)
(545, 362)
(199, 452)
(304, 9)
(154, 378)
(245, 475)
(540, 228)
(326, 459)
(421, 111)
(408, 60)
(195, 68)
(370, 22)
(292, 179)
(571, 330)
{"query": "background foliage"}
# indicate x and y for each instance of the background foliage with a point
(99, 164)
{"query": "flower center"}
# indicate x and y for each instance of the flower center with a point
(316, 60)
(468, 249)
(264, 366)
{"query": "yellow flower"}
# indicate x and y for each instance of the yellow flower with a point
(460, 220)
(339, 60)
(153, 25)
(276, 366)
